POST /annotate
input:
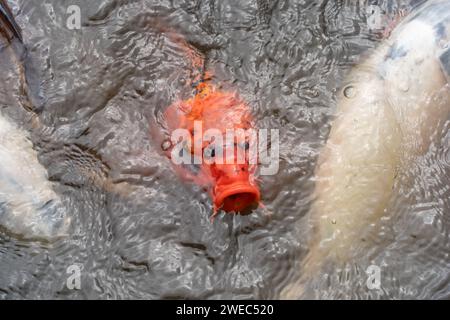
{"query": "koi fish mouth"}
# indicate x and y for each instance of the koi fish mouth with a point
(236, 197)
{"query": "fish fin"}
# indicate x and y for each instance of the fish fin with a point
(8, 24)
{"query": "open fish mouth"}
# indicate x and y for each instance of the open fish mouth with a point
(237, 197)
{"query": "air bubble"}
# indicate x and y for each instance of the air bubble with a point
(349, 92)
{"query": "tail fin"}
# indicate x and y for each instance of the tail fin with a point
(8, 25)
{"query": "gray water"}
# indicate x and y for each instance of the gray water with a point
(140, 232)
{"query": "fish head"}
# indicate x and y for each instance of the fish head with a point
(218, 124)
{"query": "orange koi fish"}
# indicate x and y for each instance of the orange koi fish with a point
(223, 167)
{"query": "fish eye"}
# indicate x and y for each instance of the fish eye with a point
(244, 145)
(210, 152)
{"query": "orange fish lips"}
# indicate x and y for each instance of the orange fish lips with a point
(223, 168)
(236, 197)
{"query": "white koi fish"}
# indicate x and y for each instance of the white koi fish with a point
(390, 108)
(29, 207)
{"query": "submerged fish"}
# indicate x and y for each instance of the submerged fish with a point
(391, 107)
(29, 207)
(219, 164)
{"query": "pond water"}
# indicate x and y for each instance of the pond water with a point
(137, 230)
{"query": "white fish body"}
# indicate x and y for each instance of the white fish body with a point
(389, 110)
(29, 207)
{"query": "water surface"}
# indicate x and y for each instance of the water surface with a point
(138, 232)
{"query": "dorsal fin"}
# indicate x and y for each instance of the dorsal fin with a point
(8, 25)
